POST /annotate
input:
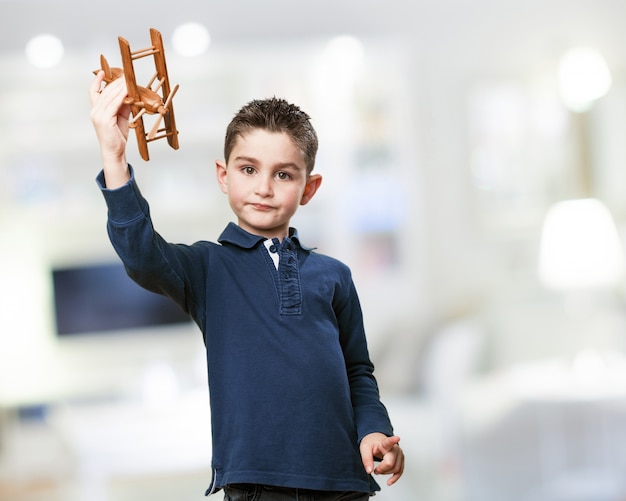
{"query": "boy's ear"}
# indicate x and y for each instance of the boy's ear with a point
(220, 173)
(312, 185)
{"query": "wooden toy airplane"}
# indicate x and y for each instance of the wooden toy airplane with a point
(146, 100)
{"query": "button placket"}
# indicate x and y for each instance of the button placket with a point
(289, 279)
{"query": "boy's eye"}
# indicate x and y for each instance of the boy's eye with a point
(248, 169)
(283, 176)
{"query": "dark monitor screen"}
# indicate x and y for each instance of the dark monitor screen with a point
(100, 298)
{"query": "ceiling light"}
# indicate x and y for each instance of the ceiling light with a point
(44, 51)
(584, 77)
(191, 39)
(345, 52)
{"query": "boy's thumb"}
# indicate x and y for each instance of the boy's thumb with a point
(368, 459)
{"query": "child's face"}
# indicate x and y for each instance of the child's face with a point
(266, 180)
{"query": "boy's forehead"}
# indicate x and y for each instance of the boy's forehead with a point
(259, 141)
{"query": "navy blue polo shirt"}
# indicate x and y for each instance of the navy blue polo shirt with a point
(291, 383)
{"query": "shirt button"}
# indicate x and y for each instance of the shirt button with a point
(272, 248)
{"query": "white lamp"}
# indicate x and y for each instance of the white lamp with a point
(580, 247)
(584, 77)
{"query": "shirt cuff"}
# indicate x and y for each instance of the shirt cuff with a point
(124, 203)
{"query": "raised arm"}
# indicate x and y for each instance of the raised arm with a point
(109, 116)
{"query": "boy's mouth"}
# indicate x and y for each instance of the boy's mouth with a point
(261, 207)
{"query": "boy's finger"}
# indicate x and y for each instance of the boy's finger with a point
(387, 445)
(95, 85)
(387, 464)
(395, 477)
(368, 459)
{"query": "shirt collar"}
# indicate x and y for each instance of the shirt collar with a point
(236, 235)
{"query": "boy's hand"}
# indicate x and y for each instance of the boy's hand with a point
(109, 115)
(380, 446)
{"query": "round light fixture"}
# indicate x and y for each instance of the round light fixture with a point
(191, 39)
(44, 51)
(584, 77)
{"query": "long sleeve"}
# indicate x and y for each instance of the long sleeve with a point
(168, 269)
(370, 413)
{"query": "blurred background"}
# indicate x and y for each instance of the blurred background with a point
(474, 158)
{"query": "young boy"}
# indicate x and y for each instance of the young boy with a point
(295, 408)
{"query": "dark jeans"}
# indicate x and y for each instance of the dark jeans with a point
(254, 492)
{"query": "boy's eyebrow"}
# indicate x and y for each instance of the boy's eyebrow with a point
(289, 165)
(282, 165)
(246, 159)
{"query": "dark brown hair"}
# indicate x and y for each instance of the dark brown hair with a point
(274, 115)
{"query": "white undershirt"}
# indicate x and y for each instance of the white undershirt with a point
(274, 255)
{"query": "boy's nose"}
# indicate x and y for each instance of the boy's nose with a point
(264, 186)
